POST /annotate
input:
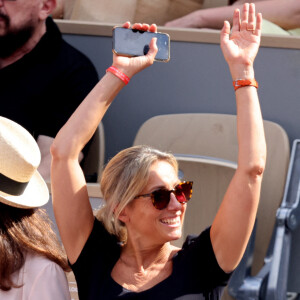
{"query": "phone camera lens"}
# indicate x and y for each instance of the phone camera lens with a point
(146, 49)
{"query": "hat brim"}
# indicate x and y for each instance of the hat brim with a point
(36, 194)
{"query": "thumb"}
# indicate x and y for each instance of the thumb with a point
(153, 49)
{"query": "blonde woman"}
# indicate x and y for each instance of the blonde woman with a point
(126, 253)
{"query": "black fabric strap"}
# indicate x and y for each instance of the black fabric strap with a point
(11, 187)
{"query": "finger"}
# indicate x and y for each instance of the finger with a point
(236, 21)
(137, 26)
(126, 24)
(258, 24)
(153, 28)
(251, 17)
(153, 49)
(244, 17)
(145, 27)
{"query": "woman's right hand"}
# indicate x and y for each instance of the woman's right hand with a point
(72, 208)
(132, 65)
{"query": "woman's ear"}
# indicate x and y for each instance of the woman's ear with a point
(123, 216)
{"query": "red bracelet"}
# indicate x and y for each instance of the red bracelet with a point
(244, 82)
(119, 74)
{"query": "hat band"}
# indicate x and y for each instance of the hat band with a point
(12, 187)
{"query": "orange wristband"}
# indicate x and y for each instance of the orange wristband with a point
(244, 82)
(119, 74)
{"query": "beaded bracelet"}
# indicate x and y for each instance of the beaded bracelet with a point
(244, 82)
(119, 74)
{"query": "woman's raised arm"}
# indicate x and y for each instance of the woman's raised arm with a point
(71, 204)
(235, 219)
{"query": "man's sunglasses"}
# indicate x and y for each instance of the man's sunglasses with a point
(161, 198)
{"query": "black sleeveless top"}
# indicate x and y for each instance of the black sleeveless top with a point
(196, 273)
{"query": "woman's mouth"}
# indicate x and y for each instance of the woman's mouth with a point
(171, 221)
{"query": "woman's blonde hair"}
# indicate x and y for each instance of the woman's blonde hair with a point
(124, 177)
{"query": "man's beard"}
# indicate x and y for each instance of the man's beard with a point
(14, 39)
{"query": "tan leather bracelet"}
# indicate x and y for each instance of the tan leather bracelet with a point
(244, 82)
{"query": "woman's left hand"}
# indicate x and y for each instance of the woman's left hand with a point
(132, 65)
(241, 46)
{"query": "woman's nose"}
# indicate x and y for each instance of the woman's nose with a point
(174, 204)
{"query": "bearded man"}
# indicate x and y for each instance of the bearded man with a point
(43, 79)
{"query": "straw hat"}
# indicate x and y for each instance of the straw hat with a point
(20, 183)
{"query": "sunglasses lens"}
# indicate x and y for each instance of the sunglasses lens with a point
(183, 191)
(161, 198)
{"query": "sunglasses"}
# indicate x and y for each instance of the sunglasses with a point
(161, 197)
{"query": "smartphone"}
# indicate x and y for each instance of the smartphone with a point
(131, 42)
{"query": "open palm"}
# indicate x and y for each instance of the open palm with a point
(241, 46)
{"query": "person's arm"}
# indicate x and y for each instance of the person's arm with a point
(233, 224)
(44, 142)
(71, 204)
(284, 13)
(58, 11)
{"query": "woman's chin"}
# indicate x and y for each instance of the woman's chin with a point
(175, 235)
